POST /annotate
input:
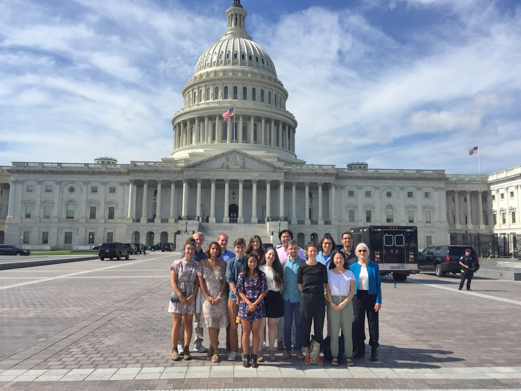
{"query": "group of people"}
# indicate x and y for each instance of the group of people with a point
(274, 294)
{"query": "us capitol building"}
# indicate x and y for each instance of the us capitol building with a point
(241, 176)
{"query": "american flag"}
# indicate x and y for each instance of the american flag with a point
(473, 151)
(228, 114)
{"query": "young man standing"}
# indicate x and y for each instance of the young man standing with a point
(348, 249)
(291, 296)
(285, 236)
(199, 255)
(233, 269)
(222, 239)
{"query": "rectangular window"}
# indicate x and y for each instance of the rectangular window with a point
(111, 212)
(45, 237)
(351, 193)
(511, 194)
(427, 194)
(485, 199)
(94, 189)
(30, 189)
(410, 194)
(28, 211)
(70, 210)
(493, 197)
(48, 189)
(368, 216)
(68, 238)
(513, 217)
(428, 216)
(92, 237)
(428, 240)
(92, 212)
(351, 216)
(47, 212)
(368, 193)
(411, 216)
(495, 219)
(112, 190)
(26, 237)
(502, 196)
(503, 218)
(110, 237)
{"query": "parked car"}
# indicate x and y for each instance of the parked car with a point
(139, 248)
(444, 259)
(167, 247)
(113, 250)
(7, 249)
(96, 248)
(131, 248)
(155, 247)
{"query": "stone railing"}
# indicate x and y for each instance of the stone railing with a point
(516, 171)
(467, 178)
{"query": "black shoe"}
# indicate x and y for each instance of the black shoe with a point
(254, 363)
(374, 354)
(358, 355)
(459, 289)
(469, 289)
(246, 361)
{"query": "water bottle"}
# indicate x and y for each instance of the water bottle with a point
(395, 284)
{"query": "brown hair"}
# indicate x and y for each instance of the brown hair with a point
(311, 244)
(278, 271)
(260, 252)
(292, 242)
(210, 247)
(239, 241)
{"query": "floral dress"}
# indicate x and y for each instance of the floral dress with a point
(186, 276)
(252, 289)
(215, 316)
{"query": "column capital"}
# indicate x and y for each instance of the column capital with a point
(268, 181)
(227, 181)
(159, 182)
(294, 183)
(281, 182)
(145, 181)
(241, 180)
(213, 180)
(199, 181)
(172, 182)
(320, 184)
(307, 183)
(254, 181)
(185, 180)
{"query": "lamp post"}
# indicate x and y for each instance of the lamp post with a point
(21, 241)
(186, 227)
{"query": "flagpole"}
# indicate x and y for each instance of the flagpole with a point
(479, 159)
(234, 127)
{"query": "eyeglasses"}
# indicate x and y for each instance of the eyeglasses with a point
(362, 251)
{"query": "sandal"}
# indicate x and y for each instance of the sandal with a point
(307, 361)
(320, 361)
(334, 362)
(215, 357)
(350, 362)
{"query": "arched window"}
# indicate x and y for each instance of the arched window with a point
(235, 56)
(244, 132)
(225, 93)
(193, 97)
(200, 95)
(216, 93)
(275, 100)
(235, 92)
(244, 93)
(255, 139)
(70, 209)
(225, 131)
(257, 59)
(253, 94)
(243, 56)
(262, 96)
(389, 214)
(269, 97)
(207, 97)
(250, 57)
(228, 55)
(220, 56)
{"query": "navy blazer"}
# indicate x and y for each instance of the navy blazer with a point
(375, 283)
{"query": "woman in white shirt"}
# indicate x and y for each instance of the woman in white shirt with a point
(340, 291)
(274, 272)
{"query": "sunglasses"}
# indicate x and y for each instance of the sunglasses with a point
(362, 251)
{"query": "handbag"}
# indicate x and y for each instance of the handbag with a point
(174, 297)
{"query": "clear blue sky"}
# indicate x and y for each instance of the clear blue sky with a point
(397, 83)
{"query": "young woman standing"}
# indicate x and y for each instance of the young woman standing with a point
(312, 280)
(184, 281)
(273, 302)
(251, 288)
(212, 280)
(340, 291)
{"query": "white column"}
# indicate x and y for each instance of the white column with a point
(320, 214)
(456, 204)
(239, 131)
(144, 213)
(186, 200)
(480, 211)
(419, 197)
(254, 219)
(294, 203)
(175, 137)
(172, 203)
(252, 130)
(218, 129)
(518, 208)
(158, 203)
(332, 207)
(280, 134)
(212, 202)
(226, 218)
(240, 217)
(281, 199)
(307, 220)
(12, 197)
(198, 200)
(436, 217)
(273, 142)
(230, 130)
(469, 212)
(263, 127)
(268, 200)
(131, 197)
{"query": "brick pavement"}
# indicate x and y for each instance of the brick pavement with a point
(110, 329)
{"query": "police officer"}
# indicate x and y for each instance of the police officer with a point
(467, 262)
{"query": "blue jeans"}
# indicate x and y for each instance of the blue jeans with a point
(292, 313)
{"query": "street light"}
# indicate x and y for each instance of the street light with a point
(233, 195)
(186, 227)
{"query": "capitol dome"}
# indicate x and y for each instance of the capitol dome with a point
(237, 73)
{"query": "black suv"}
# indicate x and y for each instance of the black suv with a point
(113, 250)
(443, 259)
(139, 247)
(167, 247)
(155, 247)
(132, 248)
(7, 249)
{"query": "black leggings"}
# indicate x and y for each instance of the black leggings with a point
(363, 303)
(312, 309)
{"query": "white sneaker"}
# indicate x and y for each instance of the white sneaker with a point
(232, 356)
(180, 348)
(201, 349)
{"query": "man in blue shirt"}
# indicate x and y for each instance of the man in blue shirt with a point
(222, 239)
(233, 269)
(291, 296)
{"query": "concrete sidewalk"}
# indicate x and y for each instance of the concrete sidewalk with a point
(16, 262)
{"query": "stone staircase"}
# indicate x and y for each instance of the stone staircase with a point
(212, 230)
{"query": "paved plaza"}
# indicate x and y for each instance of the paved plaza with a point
(96, 325)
